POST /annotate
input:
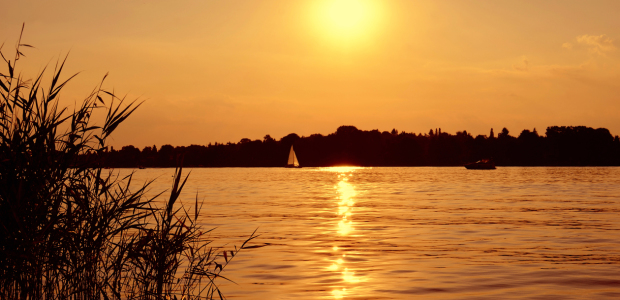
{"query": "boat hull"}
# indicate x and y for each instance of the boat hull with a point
(480, 167)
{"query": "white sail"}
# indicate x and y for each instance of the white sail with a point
(292, 158)
(296, 162)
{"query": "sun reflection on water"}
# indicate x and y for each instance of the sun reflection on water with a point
(346, 203)
(341, 170)
(338, 294)
(345, 206)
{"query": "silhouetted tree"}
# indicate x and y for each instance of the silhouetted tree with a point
(268, 139)
(504, 133)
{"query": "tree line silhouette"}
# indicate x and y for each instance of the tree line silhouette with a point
(559, 146)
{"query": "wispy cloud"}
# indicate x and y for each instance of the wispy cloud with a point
(597, 44)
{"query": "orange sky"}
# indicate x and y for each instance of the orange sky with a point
(225, 70)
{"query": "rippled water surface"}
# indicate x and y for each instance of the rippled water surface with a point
(412, 233)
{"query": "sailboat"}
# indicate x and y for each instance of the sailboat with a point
(292, 160)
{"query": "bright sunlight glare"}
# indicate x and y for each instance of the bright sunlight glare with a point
(346, 15)
(347, 19)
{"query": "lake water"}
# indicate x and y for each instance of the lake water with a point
(412, 233)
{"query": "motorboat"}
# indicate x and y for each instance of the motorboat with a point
(483, 164)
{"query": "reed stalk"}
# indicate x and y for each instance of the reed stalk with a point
(69, 229)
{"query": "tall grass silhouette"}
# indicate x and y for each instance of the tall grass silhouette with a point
(71, 230)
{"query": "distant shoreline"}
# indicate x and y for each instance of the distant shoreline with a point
(559, 146)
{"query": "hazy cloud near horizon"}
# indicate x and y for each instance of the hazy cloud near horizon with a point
(219, 71)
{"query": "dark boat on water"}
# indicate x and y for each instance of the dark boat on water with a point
(483, 164)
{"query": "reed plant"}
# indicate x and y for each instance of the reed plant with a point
(70, 229)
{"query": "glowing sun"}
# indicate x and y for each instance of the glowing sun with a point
(346, 15)
(346, 19)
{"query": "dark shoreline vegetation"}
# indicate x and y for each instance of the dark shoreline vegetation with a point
(559, 146)
(70, 230)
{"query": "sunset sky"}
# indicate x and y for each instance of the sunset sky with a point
(219, 71)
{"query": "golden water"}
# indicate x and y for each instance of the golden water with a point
(412, 233)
